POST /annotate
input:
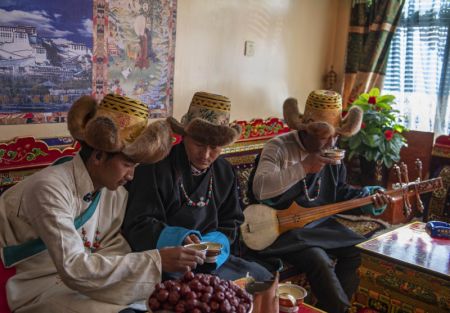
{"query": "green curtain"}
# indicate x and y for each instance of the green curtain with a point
(372, 26)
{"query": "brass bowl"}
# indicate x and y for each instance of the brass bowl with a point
(336, 154)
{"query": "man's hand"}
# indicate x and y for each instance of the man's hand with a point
(180, 259)
(314, 162)
(380, 199)
(191, 239)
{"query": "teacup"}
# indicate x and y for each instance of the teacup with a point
(290, 297)
(197, 246)
(213, 250)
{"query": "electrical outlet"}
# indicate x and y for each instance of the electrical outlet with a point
(249, 48)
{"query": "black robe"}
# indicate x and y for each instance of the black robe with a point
(326, 233)
(156, 201)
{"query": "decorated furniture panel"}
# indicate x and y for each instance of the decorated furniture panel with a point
(439, 205)
(405, 270)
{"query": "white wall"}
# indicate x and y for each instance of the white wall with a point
(296, 42)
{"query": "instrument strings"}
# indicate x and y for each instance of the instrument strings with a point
(308, 215)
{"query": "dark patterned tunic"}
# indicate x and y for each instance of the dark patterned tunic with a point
(157, 205)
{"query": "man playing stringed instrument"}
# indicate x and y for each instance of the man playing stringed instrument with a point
(292, 169)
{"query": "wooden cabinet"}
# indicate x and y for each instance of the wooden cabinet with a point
(405, 270)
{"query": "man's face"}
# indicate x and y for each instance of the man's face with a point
(201, 155)
(315, 144)
(113, 172)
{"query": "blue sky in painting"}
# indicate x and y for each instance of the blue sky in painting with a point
(65, 19)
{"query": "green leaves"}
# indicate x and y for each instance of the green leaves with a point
(380, 136)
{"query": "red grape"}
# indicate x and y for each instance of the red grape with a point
(173, 297)
(190, 295)
(153, 303)
(188, 276)
(206, 297)
(214, 305)
(184, 289)
(162, 295)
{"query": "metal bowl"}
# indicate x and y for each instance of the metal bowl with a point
(212, 251)
(336, 154)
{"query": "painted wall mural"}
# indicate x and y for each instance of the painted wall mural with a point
(52, 52)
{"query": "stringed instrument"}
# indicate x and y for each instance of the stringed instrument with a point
(263, 225)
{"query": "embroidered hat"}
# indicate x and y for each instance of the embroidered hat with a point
(207, 120)
(119, 124)
(323, 115)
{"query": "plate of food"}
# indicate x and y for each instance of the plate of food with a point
(199, 293)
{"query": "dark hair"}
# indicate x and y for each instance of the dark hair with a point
(86, 152)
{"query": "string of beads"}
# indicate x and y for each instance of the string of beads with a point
(87, 244)
(305, 189)
(202, 202)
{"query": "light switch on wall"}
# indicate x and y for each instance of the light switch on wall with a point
(249, 48)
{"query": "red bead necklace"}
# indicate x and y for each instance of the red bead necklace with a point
(87, 244)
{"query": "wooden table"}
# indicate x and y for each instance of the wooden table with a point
(306, 308)
(405, 270)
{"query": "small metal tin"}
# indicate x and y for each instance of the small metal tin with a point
(290, 297)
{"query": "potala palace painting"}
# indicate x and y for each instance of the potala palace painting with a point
(52, 52)
(45, 58)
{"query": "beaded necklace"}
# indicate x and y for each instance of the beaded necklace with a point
(202, 202)
(305, 189)
(87, 244)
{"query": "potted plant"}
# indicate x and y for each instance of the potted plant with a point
(380, 139)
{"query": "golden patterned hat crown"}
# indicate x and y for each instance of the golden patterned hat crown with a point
(209, 107)
(207, 120)
(119, 124)
(323, 115)
(323, 106)
(125, 105)
(129, 115)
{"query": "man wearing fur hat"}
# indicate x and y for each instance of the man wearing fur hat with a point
(60, 228)
(192, 195)
(291, 168)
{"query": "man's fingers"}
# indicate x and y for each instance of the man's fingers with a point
(193, 255)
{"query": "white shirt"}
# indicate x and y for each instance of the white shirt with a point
(67, 277)
(279, 166)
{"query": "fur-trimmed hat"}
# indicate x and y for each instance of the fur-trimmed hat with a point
(119, 124)
(323, 115)
(207, 120)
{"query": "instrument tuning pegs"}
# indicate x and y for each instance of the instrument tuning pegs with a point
(404, 171)
(418, 164)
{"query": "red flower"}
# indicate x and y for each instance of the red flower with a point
(372, 100)
(363, 125)
(388, 133)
